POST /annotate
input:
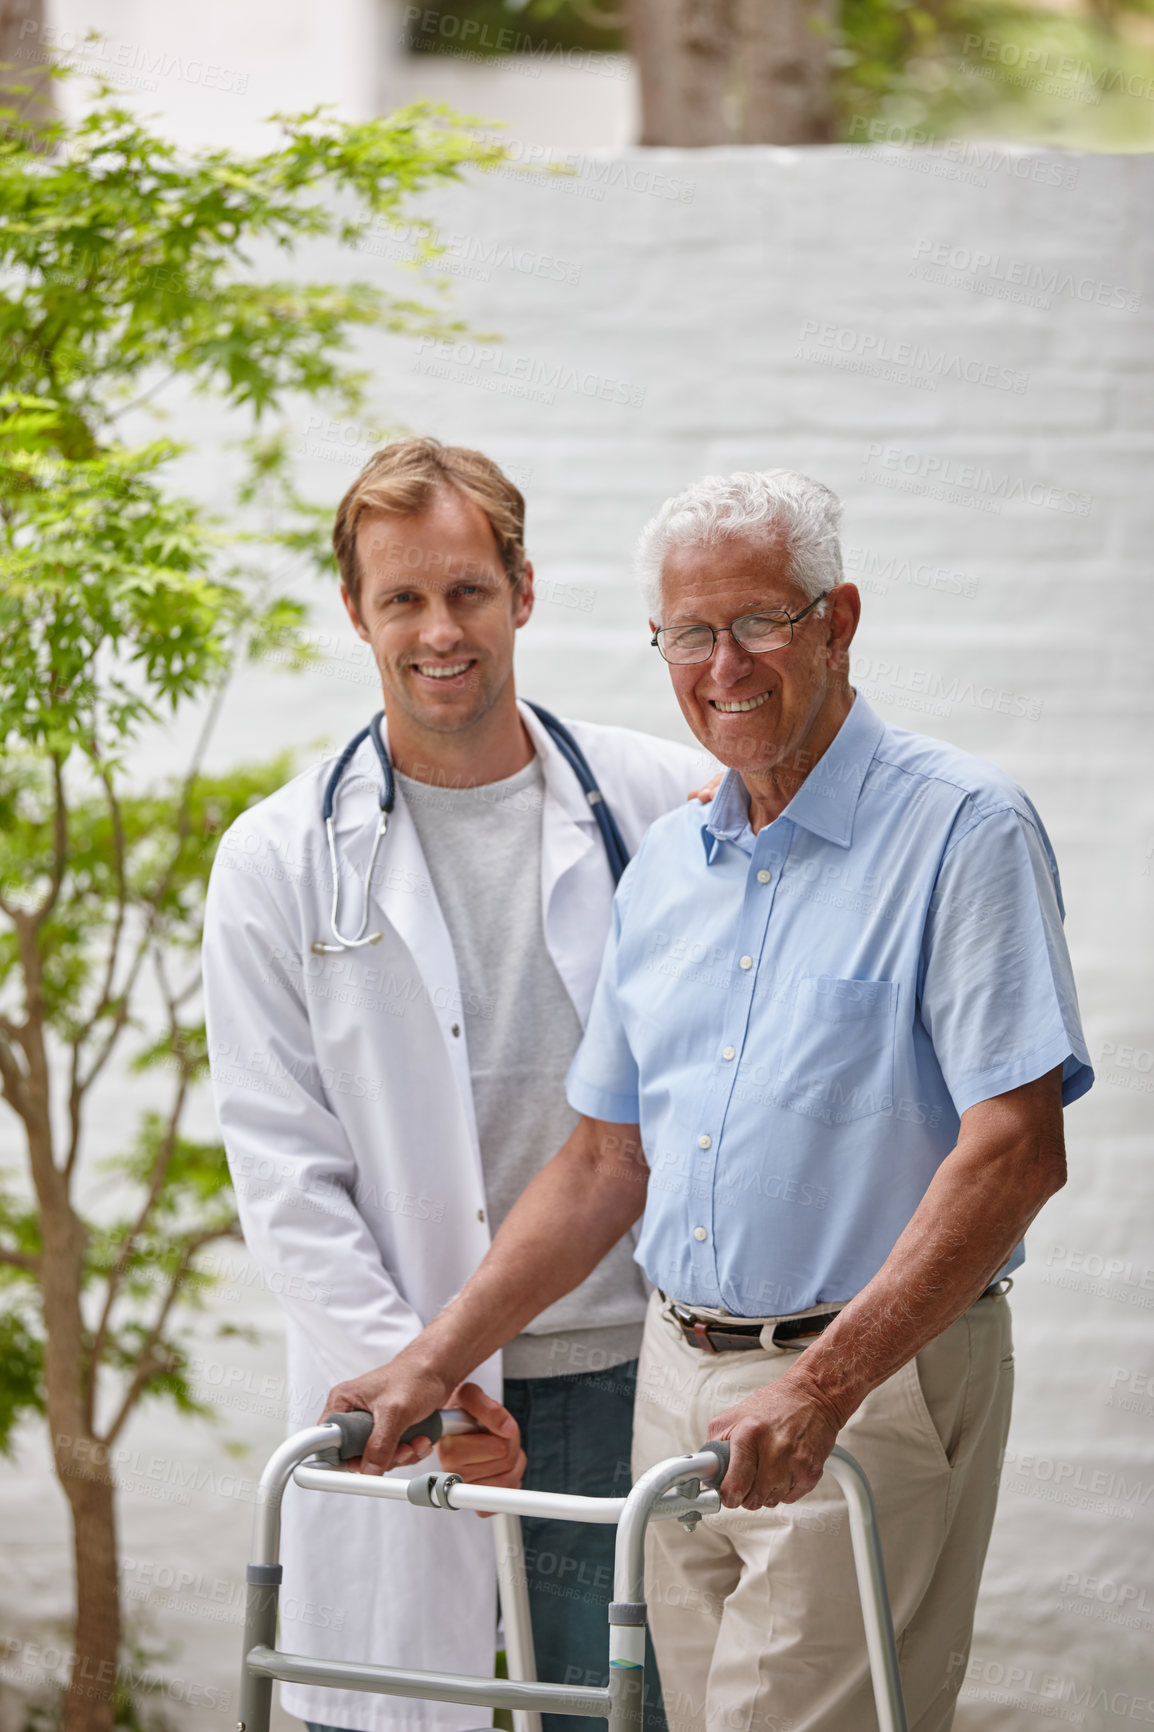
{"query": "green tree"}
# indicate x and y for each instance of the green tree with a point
(126, 266)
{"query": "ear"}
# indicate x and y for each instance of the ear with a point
(354, 614)
(524, 598)
(844, 614)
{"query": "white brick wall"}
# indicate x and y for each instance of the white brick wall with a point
(725, 290)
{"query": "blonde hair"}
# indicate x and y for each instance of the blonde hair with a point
(401, 479)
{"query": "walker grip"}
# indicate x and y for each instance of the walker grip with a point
(357, 1427)
(719, 1448)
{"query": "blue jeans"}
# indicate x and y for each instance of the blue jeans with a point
(577, 1433)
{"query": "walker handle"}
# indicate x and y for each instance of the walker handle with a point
(357, 1427)
(719, 1448)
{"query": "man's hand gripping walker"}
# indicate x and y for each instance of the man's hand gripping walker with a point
(684, 1488)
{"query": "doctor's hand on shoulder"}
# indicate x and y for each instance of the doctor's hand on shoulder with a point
(398, 1395)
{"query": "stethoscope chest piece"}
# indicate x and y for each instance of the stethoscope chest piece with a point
(388, 796)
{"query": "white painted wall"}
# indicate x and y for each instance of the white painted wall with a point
(749, 307)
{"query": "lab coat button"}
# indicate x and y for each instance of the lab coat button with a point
(456, 1028)
(480, 1214)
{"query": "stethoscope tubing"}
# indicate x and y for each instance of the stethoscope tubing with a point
(616, 853)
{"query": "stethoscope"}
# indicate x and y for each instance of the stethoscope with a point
(616, 852)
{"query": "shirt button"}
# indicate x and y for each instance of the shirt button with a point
(456, 1029)
(705, 1142)
(746, 962)
(700, 1233)
(764, 877)
(729, 1052)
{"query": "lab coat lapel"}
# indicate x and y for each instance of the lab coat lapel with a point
(574, 873)
(404, 896)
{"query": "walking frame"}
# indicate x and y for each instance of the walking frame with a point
(684, 1489)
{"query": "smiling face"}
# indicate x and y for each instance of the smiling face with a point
(763, 715)
(440, 614)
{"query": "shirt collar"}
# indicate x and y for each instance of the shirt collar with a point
(826, 802)
(729, 816)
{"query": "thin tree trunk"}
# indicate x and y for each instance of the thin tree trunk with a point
(787, 95)
(733, 71)
(90, 1702)
(704, 64)
(650, 28)
(81, 1464)
(22, 52)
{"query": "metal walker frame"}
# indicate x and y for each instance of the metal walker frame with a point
(678, 1489)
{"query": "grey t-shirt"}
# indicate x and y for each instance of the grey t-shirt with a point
(483, 850)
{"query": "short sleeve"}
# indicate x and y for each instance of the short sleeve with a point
(998, 999)
(603, 1080)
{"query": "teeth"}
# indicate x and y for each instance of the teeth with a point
(735, 709)
(438, 671)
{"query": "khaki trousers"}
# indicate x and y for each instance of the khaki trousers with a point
(755, 1617)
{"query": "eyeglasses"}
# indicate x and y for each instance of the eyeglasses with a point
(757, 633)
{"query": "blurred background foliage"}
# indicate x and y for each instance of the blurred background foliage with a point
(1072, 73)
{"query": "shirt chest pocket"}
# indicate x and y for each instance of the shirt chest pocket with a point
(837, 1061)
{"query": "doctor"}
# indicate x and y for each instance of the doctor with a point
(388, 1074)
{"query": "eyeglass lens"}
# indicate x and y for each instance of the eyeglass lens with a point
(755, 632)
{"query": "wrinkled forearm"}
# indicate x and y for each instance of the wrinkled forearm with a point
(1008, 1160)
(572, 1214)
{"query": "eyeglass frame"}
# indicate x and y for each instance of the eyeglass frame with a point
(689, 625)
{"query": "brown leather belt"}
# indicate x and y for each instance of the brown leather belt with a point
(712, 1336)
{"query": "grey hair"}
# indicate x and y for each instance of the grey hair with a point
(803, 513)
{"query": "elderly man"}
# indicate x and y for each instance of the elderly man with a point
(827, 1057)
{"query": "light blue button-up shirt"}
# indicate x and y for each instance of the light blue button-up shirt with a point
(798, 1019)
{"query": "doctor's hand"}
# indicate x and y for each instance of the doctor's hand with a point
(779, 1440)
(490, 1457)
(708, 789)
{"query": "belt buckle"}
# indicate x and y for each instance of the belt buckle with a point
(694, 1330)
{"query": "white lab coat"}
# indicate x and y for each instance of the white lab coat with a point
(343, 1094)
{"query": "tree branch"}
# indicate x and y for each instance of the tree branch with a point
(119, 850)
(147, 1364)
(128, 1244)
(20, 1260)
(12, 1079)
(59, 846)
(153, 917)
